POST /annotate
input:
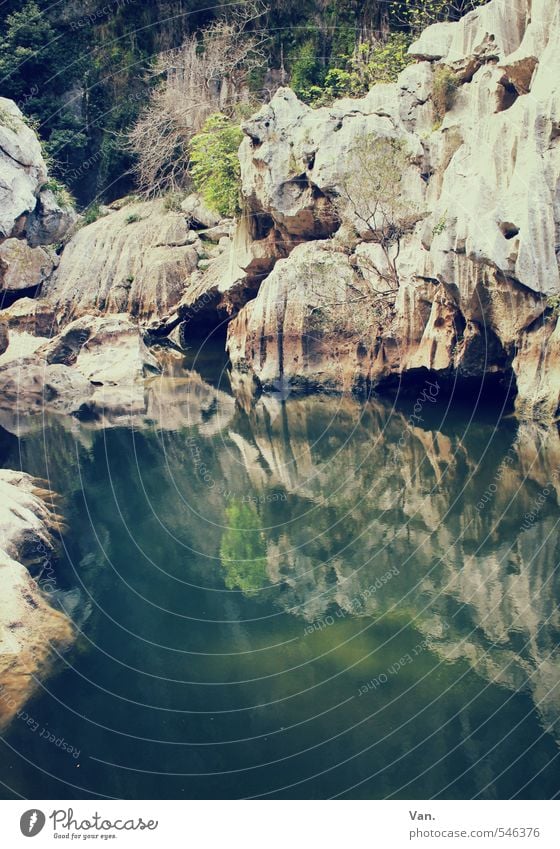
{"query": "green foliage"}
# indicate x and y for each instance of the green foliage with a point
(306, 72)
(416, 15)
(444, 90)
(441, 225)
(92, 213)
(26, 54)
(387, 60)
(243, 549)
(370, 64)
(63, 197)
(215, 164)
(133, 218)
(553, 304)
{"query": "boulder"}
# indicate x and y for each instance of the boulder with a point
(31, 315)
(22, 267)
(25, 207)
(198, 214)
(136, 260)
(97, 365)
(49, 222)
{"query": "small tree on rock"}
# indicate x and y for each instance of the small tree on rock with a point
(371, 191)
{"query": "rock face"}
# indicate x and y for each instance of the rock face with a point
(462, 267)
(26, 207)
(137, 259)
(30, 629)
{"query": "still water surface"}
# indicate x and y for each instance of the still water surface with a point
(311, 599)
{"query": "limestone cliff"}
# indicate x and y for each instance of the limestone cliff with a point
(468, 283)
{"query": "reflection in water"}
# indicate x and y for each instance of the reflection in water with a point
(243, 549)
(307, 599)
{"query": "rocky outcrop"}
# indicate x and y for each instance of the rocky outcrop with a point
(137, 260)
(94, 368)
(462, 266)
(30, 629)
(22, 269)
(164, 267)
(27, 207)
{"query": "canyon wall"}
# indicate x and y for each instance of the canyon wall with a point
(452, 268)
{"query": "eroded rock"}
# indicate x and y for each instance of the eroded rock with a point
(30, 629)
(137, 260)
(474, 273)
(25, 207)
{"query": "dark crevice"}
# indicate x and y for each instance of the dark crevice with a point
(490, 391)
(510, 231)
(507, 94)
(9, 297)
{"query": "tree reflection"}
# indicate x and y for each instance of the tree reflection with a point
(243, 549)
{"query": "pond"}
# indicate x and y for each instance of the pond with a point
(299, 597)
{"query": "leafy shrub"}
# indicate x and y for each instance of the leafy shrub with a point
(387, 60)
(215, 166)
(416, 15)
(553, 304)
(380, 62)
(444, 90)
(133, 218)
(91, 214)
(306, 71)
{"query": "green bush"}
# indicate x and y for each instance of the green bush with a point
(371, 64)
(91, 214)
(215, 164)
(63, 197)
(444, 90)
(305, 70)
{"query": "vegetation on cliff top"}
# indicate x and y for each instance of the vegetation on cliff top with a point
(88, 74)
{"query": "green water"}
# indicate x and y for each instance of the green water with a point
(307, 599)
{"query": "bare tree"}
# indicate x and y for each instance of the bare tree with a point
(205, 75)
(371, 193)
(418, 14)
